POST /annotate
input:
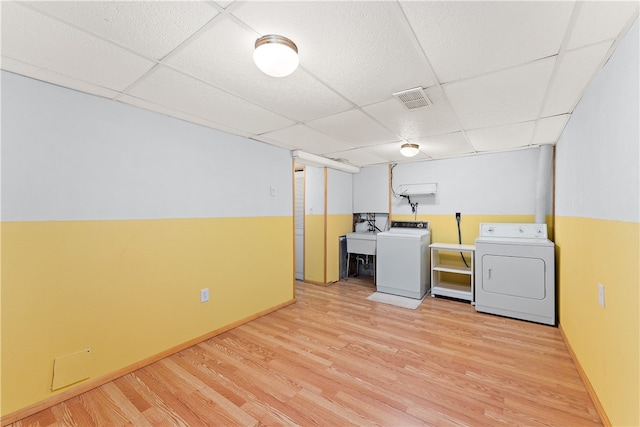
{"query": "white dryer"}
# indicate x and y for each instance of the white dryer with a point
(515, 272)
(402, 259)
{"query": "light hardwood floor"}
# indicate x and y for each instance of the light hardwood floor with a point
(335, 359)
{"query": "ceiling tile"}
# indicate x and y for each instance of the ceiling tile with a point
(223, 56)
(601, 20)
(549, 129)
(470, 38)
(48, 44)
(358, 157)
(450, 145)
(172, 89)
(575, 71)
(358, 48)
(436, 119)
(502, 137)
(130, 23)
(391, 153)
(510, 96)
(353, 127)
(301, 137)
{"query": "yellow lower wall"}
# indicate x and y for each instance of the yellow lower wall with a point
(320, 254)
(337, 225)
(314, 249)
(605, 340)
(129, 290)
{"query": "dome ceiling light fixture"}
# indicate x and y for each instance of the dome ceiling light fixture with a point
(409, 150)
(276, 56)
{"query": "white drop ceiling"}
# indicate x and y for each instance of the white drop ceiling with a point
(500, 75)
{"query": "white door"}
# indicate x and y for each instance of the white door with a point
(299, 224)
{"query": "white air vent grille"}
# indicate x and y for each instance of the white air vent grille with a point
(413, 98)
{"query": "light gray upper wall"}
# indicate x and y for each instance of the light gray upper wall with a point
(339, 192)
(488, 184)
(598, 155)
(72, 156)
(313, 190)
(371, 190)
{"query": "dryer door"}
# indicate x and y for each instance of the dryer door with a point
(514, 276)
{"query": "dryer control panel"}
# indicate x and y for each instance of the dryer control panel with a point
(514, 231)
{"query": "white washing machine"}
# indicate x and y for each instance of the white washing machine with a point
(402, 259)
(515, 272)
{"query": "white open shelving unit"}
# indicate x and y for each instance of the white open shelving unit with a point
(448, 289)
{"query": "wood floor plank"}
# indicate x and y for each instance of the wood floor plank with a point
(214, 379)
(43, 418)
(159, 411)
(167, 401)
(78, 414)
(323, 410)
(130, 392)
(129, 410)
(102, 409)
(233, 415)
(62, 412)
(336, 358)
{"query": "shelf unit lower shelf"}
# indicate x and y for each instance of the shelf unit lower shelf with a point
(449, 289)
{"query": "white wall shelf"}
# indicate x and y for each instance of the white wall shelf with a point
(418, 189)
(441, 254)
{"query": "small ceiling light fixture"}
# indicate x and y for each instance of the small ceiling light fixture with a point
(275, 55)
(409, 150)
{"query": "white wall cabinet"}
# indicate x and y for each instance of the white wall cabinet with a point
(371, 190)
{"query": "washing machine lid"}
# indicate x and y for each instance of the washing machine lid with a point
(423, 236)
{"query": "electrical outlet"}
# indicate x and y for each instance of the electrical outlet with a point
(457, 216)
(601, 294)
(204, 295)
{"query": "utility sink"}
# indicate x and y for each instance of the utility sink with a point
(362, 243)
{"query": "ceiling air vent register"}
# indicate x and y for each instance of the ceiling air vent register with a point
(413, 98)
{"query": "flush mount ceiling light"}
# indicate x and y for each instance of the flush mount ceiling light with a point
(409, 150)
(275, 55)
